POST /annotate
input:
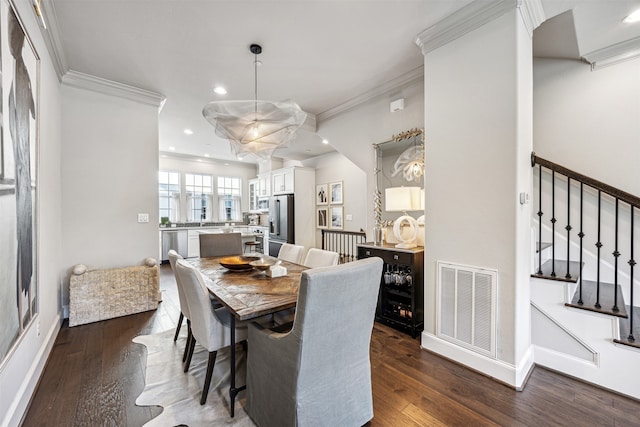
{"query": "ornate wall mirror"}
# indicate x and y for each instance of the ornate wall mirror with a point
(399, 163)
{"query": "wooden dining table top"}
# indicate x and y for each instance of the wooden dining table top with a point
(250, 293)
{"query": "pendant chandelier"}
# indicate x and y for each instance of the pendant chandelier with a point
(255, 127)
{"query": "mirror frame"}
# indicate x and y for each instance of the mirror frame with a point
(378, 148)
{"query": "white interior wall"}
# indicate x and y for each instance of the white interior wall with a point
(588, 121)
(476, 96)
(334, 167)
(109, 175)
(20, 374)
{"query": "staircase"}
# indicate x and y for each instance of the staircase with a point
(583, 275)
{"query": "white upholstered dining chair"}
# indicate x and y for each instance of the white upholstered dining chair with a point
(220, 244)
(184, 308)
(209, 327)
(290, 252)
(319, 373)
(320, 258)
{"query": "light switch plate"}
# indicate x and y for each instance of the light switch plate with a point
(143, 217)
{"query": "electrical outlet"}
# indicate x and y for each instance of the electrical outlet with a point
(349, 217)
(143, 217)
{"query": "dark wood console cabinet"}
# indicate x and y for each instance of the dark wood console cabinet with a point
(401, 297)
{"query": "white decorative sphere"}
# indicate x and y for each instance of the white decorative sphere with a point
(79, 269)
(150, 262)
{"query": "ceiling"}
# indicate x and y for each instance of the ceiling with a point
(323, 54)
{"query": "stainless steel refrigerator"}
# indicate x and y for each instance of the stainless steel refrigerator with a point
(281, 222)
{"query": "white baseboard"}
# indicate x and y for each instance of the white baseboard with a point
(18, 408)
(509, 374)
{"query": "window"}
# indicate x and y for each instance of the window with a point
(229, 198)
(199, 195)
(169, 195)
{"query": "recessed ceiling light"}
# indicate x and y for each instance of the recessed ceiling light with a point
(325, 141)
(199, 160)
(220, 90)
(308, 150)
(172, 148)
(240, 158)
(226, 164)
(634, 17)
(206, 154)
(188, 132)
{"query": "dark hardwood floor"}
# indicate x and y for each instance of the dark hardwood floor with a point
(95, 373)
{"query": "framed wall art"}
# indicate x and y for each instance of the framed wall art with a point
(322, 218)
(335, 193)
(336, 217)
(322, 194)
(19, 68)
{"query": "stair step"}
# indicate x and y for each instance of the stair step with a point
(624, 329)
(589, 289)
(560, 269)
(541, 246)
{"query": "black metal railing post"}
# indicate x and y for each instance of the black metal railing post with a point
(553, 223)
(568, 227)
(598, 245)
(540, 220)
(581, 236)
(615, 254)
(632, 264)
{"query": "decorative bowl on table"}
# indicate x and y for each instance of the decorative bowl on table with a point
(238, 262)
(262, 264)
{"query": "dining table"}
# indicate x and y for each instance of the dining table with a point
(248, 294)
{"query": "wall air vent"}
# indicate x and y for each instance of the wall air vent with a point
(466, 307)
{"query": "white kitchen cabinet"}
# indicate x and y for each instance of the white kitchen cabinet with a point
(283, 181)
(253, 194)
(264, 184)
(193, 247)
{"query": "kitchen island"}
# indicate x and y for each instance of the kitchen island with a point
(185, 239)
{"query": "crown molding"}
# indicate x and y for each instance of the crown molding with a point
(52, 39)
(392, 85)
(475, 15)
(614, 54)
(532, 13)
(109, 87)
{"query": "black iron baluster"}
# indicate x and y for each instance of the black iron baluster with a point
(581, 236)
(540, 221)
(615, 254)
(632, 264)
(568, 227)
(598, 245)
(553, 223)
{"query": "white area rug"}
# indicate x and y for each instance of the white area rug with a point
(179, 393)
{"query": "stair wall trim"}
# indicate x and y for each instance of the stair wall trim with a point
(594, 358)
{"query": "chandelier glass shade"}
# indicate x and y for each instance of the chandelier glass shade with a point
(253, 126)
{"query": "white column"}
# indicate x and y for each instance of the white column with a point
(478, 124)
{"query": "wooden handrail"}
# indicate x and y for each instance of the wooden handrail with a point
(594, 183)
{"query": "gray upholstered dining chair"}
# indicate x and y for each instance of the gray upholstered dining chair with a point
(319, 373)
(320, 258)
(220, 244)
(210, 328)
(290, 252)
